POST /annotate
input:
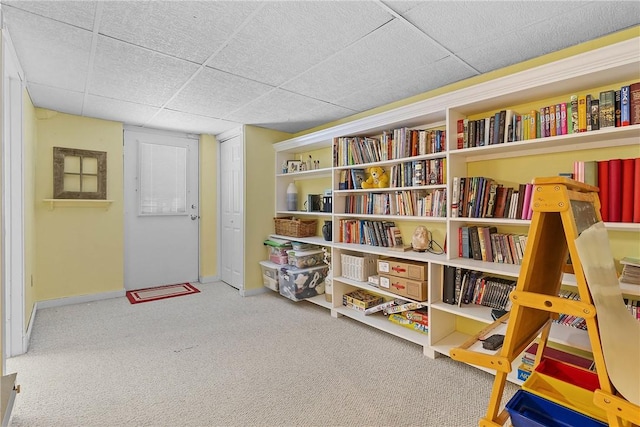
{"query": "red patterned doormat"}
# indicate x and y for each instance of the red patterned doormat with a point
(161, 292)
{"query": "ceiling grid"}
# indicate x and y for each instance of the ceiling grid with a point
(210, 66)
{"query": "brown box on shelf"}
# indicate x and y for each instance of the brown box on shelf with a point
(413, 289)
(361, 300)
(403, 268)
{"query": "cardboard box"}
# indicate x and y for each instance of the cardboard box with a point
(298, 284)
(361, 300)
(402, 268)
(524, 371)
(413, 289)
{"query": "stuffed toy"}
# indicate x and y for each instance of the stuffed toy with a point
(377, 178)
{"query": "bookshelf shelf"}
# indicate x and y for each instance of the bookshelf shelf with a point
(608, 67)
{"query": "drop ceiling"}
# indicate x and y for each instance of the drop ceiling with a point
(209, 66)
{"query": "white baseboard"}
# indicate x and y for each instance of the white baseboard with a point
(27, 336)
(208, 279)
(252, 292)
(80, 299)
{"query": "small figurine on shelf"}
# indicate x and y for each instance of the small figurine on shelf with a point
(310, 163)
(285, 167)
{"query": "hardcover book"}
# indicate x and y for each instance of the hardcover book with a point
(595, 114)
(474, 238)
(634, 103)
(607, 112)
(582, 113)
(574, 113)
(624, 106)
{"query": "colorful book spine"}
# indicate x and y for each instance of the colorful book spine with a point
(615, 190)
(527, 200)
(582, 113)
(634, 103)
(636, 191)
(625, 111)
(603, 184)
(564, 130)
(574, 113)
(627, 190)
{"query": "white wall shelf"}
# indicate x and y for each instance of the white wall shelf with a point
(77, 203)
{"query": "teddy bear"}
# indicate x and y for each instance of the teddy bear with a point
(377, 178)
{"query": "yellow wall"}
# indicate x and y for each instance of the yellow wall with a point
(259, 199)
(30, 142)
(208, 206)
(80, 249)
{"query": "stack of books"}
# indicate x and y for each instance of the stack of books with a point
(630, 270)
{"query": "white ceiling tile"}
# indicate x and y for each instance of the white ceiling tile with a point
(406, 84)
(556, 32)
(176, 120)
(469, 24)
(286, 65)
(373, 60)
(130, 73)
(288, 112)
(64, 101)
(77, 13)
(184, 29)
(117, 110)
(51, 53)
(287, 38)
(215, 93)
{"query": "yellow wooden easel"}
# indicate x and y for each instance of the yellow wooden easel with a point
(562, 209)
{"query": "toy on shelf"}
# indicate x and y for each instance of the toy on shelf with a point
(378, 178)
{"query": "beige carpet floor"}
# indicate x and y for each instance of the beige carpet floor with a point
(218, 359)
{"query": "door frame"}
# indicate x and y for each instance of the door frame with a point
(177, 134)
(14, 338)
(221, 138)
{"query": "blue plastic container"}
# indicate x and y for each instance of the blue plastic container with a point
(529, 410)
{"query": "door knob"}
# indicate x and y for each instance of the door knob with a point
(194, 217)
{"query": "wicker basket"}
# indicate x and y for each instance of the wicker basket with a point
(296, 227)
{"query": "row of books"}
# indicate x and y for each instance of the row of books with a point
(481, 197)
(568, 320)
(633, 306)
(619, 184)
(418, 173)
(405, 203)
(368, 232)
(486, 244)
(581, 113)
(351, 179)
(395, 144)
(461, 286)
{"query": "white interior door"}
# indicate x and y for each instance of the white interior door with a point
(160, 208)
(232, 211)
